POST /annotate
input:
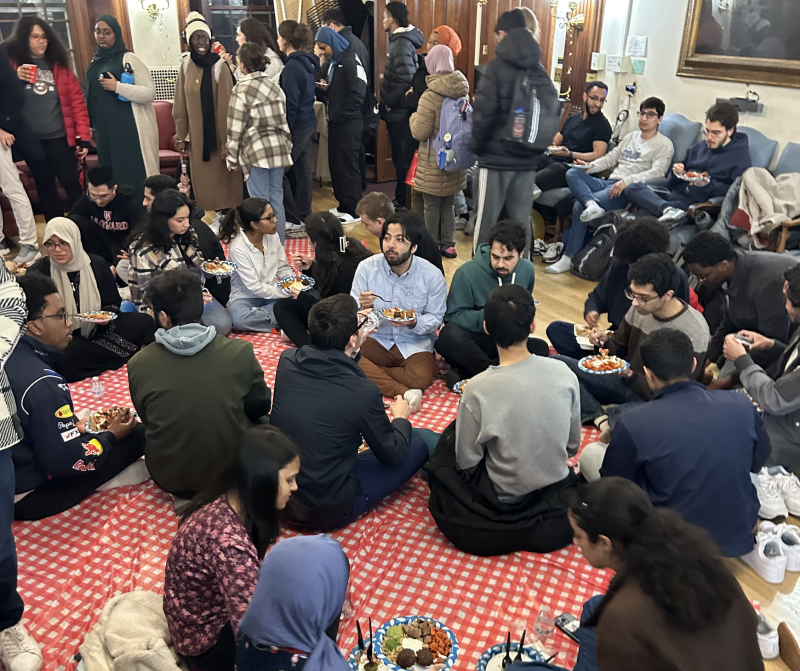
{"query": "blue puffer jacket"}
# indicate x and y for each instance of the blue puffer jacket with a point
(297, 82)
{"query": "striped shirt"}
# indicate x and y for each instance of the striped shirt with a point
(13, 316)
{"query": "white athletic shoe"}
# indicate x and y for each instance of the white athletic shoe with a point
(19, 651)
(553, 252)
(789, 487)
(769, 496)
(767, 558)
(414, 398)
(789, 536)
(768, 641)
(593, 211)
(343, 217)
(672, 214)
(536, 191)
(539, 247)
(560, 266)
(28, 254)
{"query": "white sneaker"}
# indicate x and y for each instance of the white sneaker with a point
(538, 247)
(768, 641)
(5, 250)
(767, 558)
(672, 214)
(19, 651)
(789, 487)
(414, 398)
(560, 266)
(769, 496)
(789, 536)
(536, 191)
(593, 211)
(343, 217)
(553, 252)
(28, 254)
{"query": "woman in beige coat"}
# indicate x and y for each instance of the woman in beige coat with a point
(438, 187)
(200, 110)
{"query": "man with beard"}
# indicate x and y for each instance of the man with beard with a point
(463, 342)
(399, 357)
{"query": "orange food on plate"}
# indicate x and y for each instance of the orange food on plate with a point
(603, 362)
(694, 174)
(398, 314)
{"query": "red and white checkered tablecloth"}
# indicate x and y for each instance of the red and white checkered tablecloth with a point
(117, 541)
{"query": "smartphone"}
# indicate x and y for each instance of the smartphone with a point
(743, 339)
(569, 624)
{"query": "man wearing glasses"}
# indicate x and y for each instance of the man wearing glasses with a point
(719, 160)
(653, 279)
(643, 154)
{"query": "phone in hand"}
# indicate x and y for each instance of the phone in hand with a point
(569, 624)
(743, 339)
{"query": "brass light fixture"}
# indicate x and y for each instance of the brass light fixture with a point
(153, 10)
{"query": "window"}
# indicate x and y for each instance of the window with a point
(52, 11)
(226, 15)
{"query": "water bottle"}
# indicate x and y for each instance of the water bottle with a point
(126, 78)
(98, 390)
(519, 123)
(545, 625)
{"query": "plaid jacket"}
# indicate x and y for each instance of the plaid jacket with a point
(258, 135)
(147, 261)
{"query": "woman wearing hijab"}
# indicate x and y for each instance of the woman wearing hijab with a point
(438, 187)
(347, 88)
(200, 110)
(85, 284)
(122, 115)
(292, 619)
(440, 35)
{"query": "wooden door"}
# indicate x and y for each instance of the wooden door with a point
(83, 15)
(581, 42)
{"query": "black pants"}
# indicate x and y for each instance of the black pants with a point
(55, 160)
(11, 605)
(344, 147)
(96, 240)
(292, 317)
(403, 147)
(298, 180)
(471, 353)
(552, 176)
(61, 493)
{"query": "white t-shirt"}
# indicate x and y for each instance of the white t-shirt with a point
(637, 159)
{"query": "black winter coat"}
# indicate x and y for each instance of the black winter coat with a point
(517, 54)
(401, 64)
(347, 89)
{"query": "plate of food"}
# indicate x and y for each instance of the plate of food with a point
(399, 315)
(603, 364)
(458, 387)
(357, 659)
(492, 659)
(553, 148)
(693, 176)
(100, 420)
(296, 283)
(415, 642)
(219, 268)
(97, 317)
(583, 333)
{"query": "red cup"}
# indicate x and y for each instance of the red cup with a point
(217, 48)
(32, 71)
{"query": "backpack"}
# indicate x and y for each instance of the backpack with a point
(534, 115)
(451, 146)
(592, 261)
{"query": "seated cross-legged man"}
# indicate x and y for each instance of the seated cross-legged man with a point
(723, 156)
(654, 306)
(462, 341)
(325, 402)
(196, 391)
(57, 464)
(689, 448)
(643, 154)
(399, 357)
(635, 239)
(500, 481)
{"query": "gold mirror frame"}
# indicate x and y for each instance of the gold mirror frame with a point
(772, 71)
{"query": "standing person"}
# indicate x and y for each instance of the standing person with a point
(19, 651)
(347, 89)
(334, 18)
(252, 30)
(401, 64)
(506, 178)
(441, 35)
(122, 115)
(261, 258)
(258, 135)
(54, 108)
(213, 564)
(437, 186)
(297, 82)
(202, 97)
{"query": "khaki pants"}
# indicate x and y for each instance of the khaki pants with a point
(393, 373)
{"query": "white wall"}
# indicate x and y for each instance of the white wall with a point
(155, 41)
(662, 21)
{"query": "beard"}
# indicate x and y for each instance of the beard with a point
(400, 260)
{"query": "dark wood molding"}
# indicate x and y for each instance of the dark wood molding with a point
(183, 11)
(81, 30)
(580, 44)
(119, 9)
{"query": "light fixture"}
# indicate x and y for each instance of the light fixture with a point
(155, 9)
(570, 20)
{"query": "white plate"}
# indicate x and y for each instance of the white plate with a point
(311, 283)
(691, 179)
(579, 166)
(492, 659)
(111, 316)
(220, 273)
(408, 619)
(355, 666)
(398, 321)
(88, 417)
(585, 369)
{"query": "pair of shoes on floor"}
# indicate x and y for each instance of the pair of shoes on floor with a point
(561, 266)
(414, 399)
(27, 254)
(776, 551)
(449, 252)
(343, 217)
(19, 651)
(778, 492)
(539, 247)
(462, 220)
(553, 252)
(774, 642)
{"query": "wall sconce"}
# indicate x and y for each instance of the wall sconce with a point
(153, 10)
(571, 20)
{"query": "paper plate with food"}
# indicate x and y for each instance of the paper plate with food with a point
(219, 268)
(492, 659)
(693, 176)
(295, 283)
(399, 315)
(415, 642)
(100, 420)
(97, 317)
(583, 333)
(603, 364)
(459, 386)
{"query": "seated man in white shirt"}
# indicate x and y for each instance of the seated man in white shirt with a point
(643, 154)
(399, 357)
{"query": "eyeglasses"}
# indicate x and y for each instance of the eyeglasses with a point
(639, 299)
(650, 114)
(50, 246)
(57, 315)
(598, 99)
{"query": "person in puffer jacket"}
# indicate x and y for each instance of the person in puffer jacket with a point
(438, 187)
(401, 64)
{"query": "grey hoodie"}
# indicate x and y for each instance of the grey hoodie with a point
(186, 340)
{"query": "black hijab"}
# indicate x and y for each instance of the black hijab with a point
(207, 61)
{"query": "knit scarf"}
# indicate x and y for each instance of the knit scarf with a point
(207, 61)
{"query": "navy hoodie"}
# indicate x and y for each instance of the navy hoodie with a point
(297, 82)
(723, 166)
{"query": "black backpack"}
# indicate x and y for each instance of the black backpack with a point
(592, 261)
(535, 113)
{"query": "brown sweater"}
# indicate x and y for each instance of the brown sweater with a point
(634, 635)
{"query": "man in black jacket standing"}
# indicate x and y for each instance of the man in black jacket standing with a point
(324, 401)
(334, 18)
(506, 178)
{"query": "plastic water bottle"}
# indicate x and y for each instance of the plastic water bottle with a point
(519, 123)
(98, 390)
(545, 625)
(126, 78)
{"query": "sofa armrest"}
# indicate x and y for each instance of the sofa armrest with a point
(712, 207)
(785, 226)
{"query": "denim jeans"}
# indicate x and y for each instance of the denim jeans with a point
(648, 200)
(215, 314)
(585, 188)
(267, 183)
(253, 314)
(11, 605)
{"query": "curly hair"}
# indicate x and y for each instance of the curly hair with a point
(154, 229)
(725, 114)
(17, 46)
(708, 249)
(508, 233)
(640, 237)
(298, 35)
(656, 269)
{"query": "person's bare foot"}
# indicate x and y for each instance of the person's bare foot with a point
(790, 651)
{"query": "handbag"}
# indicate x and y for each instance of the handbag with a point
(411, 177)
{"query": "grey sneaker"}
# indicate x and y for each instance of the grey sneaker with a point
(553, 252)
(671, 214)
(5, 250)
(28, 254)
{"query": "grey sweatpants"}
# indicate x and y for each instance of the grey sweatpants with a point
(440, 218)
(512, 188)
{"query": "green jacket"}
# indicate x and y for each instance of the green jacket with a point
(195, 409)
(472, 284)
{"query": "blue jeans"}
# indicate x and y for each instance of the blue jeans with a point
(648, 200)
(598, 390)
(11, 605)
(267, 183)
(585, 188)
(215, 314)
(253, 314)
